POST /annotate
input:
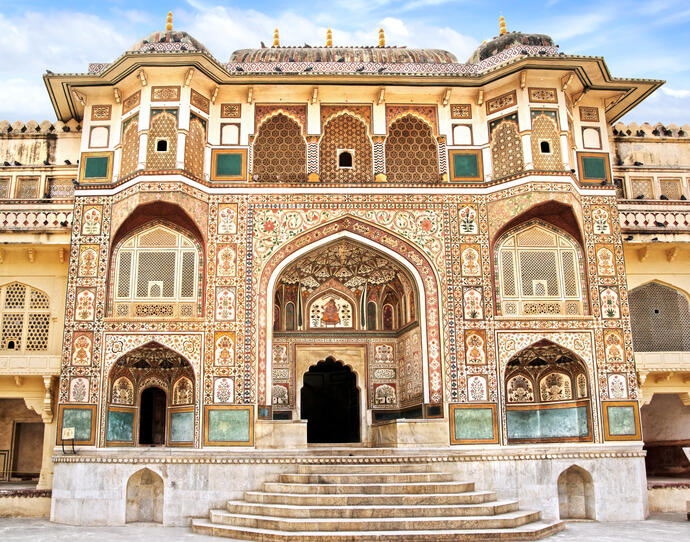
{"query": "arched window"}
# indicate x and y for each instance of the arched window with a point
(539, 272)
(345, 151)
(158, 270)
(25, 318)
(660, 319)
(130, 146)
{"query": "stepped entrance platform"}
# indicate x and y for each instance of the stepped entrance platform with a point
(335, 492)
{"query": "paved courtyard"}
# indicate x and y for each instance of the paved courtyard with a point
(659, 528)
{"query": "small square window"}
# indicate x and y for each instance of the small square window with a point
(346, 158)
(161, 145)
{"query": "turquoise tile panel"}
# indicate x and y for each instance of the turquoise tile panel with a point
(228, 425)
(621, 420)
(548, 423)
(80, 419)
(182, 426)
(120, 426)
(473, 424)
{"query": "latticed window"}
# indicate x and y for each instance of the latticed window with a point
(158, 264)
(660, 319)
(539, 273)
(25, 318)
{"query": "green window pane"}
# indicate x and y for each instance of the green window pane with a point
(594, 167)
(96, 167)
(228, 165)
(465, 165)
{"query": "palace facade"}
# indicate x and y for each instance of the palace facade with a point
(357, 256)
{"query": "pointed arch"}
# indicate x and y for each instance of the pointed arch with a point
(576, 494)
(145, 495)
(399, 249)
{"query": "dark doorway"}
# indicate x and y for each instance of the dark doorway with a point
(330, 403)
(152, 417)
(28, 450)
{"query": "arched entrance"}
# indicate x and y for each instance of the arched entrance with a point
(152, 398)
(152, 417)
(330, 403)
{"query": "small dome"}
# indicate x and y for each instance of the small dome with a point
(344, 54)
(168, 41)
(506, 41)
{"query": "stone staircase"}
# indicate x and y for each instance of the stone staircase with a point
(373, 502)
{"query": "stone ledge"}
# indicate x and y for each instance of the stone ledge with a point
(32, 493)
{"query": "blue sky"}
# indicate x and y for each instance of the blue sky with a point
(645, 39)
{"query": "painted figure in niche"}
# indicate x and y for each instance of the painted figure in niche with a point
(384, 395)
(555, 387)
(79, 390)
(123, 391)
(476, 386)
(600, 220)
(88, 263)
(330, 316)
(470, 262)
(92, 221)
(280, 395)
(225, 351)
(520, 390)
(609, 304)
(223, 390)
(227, 258)
(225, 304)
(618, 388)
(82, 351)
(468, 220)
(605, 265)
(183, 392)
(473, 305)
(85, 309)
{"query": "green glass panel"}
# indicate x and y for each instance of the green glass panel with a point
(228, 164)
(594, 167)
(548, 423)
(228, 425)
(120, 426)
(621, 420)
(182, 426)
(465, 165)
(96, 167)
(474, 424)
(80, 419)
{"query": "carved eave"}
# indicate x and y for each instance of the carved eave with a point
(591, 75)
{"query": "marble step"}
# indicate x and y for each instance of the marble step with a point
(371, 510)
(365, 478)
(407, 487)
(531, 531)
(354, 499)
(364, 467)
(500, 521)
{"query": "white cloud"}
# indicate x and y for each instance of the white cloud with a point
(676, 93)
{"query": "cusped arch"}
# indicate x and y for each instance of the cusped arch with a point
(279, 149)
(409, 256)
(411, 150)
(347, 131)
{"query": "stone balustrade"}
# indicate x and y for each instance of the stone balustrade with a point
(36, 219)
(654, 217)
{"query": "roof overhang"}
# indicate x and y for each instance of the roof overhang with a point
(591, 75)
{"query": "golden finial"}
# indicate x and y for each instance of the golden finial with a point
(382, 38)
(276, 38)
(168, 21)
(329, 38)
(502, 25)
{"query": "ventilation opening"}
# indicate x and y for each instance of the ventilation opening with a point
(11, 345)
(545, 147)
(345, 159)
(162, 145)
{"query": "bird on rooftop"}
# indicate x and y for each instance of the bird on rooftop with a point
(381, 69)
(360, 69)
(308, 68)
(639, 196)
(663, 196)
(341, 59)
(659, 224)
(263, 45)
(628, 238)
(278, 69)
(239, 68)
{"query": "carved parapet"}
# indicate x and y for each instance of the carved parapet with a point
(35, 219)
(654, 218)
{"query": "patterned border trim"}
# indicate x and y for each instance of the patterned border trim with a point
(216, 458)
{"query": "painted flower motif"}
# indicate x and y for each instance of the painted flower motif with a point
(426, 225)
(269, 225)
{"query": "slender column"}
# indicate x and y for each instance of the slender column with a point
(45, 480)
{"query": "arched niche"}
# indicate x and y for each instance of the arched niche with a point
(576, 494)
(145, 495)
(151, 398)
(547, 396)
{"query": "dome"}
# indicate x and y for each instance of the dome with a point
(506, 41)
(168, 41)
(344, 54)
